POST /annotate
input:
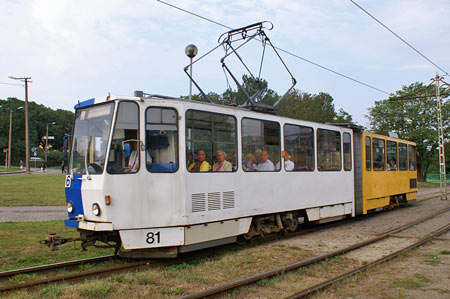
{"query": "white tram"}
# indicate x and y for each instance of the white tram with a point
(128, 182)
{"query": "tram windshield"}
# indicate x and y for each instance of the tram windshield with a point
(90, 140)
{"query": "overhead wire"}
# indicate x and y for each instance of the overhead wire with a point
(282, 50)
(11, 83)
(396, 35)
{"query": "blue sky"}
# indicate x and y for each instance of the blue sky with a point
(76, 50)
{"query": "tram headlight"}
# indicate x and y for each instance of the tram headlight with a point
(96, 209)
(70, 207)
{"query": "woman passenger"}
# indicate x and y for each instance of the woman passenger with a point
(201, 165)
(222, 164)
(249, 163)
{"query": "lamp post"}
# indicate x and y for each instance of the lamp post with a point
(10, 135)
(46, 144)
(191, 51)
(27, 146)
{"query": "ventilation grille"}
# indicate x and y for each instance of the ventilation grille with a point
(216, 201)
(412, 183)
(198, 202)
(228, 200)
(213, 201)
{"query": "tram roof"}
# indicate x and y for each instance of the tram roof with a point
(99, 100)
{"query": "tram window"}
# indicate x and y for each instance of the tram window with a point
(210, 132)
(412, 157)
(347, 147)
(260, 141)
(299, 144)
(161, 139)
(379, 162)
(391, 152)
(90, 140)
(402, 156)
(124, 153)
(328, 150)
(368, 153)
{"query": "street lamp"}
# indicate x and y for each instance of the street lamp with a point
(27, 146)
(191, 51)
(10, 134)
(46, 144)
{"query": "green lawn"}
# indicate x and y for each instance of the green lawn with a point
(19, 244)
(32, 190)
(427, 185)
(3, 169)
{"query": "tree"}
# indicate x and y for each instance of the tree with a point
(296, 104)
(317, 108)
(413, 116)
(39, 117)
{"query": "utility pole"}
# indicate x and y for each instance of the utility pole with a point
(27, 140)
(443, 174)
(9, 138)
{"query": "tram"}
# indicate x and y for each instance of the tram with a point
(130, 182)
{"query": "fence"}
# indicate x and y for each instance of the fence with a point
(436, 177)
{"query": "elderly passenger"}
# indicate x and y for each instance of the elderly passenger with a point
(222, 164)
(266, 164)
(249, 163)
(201, 165)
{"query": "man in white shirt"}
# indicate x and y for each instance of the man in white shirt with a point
(266, 164)
(288, 164)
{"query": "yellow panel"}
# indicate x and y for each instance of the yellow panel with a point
(378, 186)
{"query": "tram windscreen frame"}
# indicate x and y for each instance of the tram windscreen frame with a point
(90, 139)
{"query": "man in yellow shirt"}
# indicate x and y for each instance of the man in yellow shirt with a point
(201, 165)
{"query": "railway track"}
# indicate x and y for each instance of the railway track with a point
(136, 265)
(212, 292)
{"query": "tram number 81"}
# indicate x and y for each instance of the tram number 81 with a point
(153, 238)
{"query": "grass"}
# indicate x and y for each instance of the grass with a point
(431, 259)
(3, 169)
(20, 248)
(32, 190)
(427, 185)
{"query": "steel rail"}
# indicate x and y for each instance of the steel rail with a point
(323, 285)
(251, 279)
(72, 276)
(55, 265)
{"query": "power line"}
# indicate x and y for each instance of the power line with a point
(404, 41)
(285, 51)
(10, 83)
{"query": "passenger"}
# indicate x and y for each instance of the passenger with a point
(392, 165)
(266, 164)
(249, 163)
(221, 164)
(201, 165)
(288, 164)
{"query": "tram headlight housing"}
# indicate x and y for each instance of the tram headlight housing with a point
(96, 209)
(70, 208)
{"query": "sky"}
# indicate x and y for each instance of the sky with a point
(77, 50)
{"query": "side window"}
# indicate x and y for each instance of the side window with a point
(347, 147)
(124, 155)
(211, 142)
(161, 139)
(260, 145)
(412, 157)
(402, 156)
(368, 153)
(299, 148)
(392, 158)
(379, 162)
(328, 150)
